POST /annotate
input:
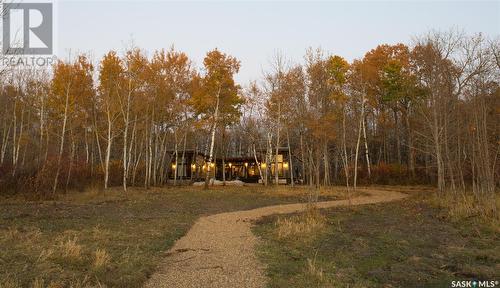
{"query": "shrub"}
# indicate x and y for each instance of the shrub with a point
(385, 174)
(36, 183)
(39, 185)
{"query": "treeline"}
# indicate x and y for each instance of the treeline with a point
(426, 113)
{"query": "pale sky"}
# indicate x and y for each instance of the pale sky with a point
(254, 31)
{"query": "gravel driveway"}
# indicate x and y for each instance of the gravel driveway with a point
(218, 251)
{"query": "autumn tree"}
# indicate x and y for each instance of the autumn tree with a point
(456, 72)
(111, 78)
(130, 84)
(217, 98)
(172, 74)
(71, 83)
(338, 69)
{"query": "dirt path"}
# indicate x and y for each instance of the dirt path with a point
(218, 251)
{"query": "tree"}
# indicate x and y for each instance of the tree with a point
(130, 83)
(175, 74)
(111, 78)
(338, 69)
(71, 83)
(277, 99)
(217, 97)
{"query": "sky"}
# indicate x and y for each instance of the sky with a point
(255, 31)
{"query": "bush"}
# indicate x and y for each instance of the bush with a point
(385, 174)
(39, 185)
(36, 183)
(390, 174)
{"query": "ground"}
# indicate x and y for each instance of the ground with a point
(409, 243)
(115, 239)
(219, 250)
(120, 239)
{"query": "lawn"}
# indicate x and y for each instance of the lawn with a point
(402, 244)
(113, 239)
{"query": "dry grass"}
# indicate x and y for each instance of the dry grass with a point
(38, 283)
(100, 233)
(324, 193)
(314, 270)
(71, 249)
(465, 206)
(304, 225)
(9, 282)
(56, 242)
(28, 234)
(101, 259)
(406, 243)
(45, 254)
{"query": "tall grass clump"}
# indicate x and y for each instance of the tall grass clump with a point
(304, 225)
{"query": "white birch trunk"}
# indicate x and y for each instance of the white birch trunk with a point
(125, 137)
(276, 170)
(290, 160)
(360, 128)
(61, 147)
(212, 140)
(367, 156)
(108, 151)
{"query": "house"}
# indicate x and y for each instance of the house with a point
(193, 167)
(187, 165)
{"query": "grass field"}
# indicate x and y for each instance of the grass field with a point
(113, 239)
(402, 244)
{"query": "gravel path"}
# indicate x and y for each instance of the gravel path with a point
(218, 251)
